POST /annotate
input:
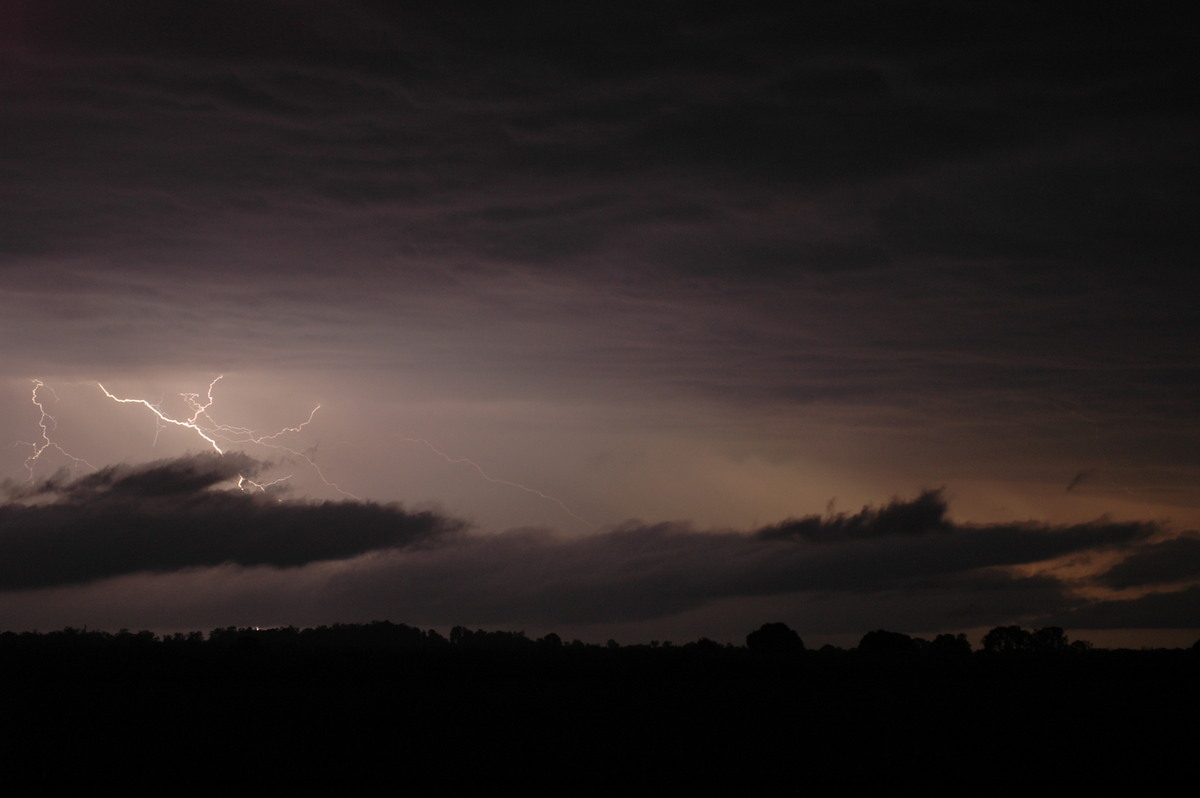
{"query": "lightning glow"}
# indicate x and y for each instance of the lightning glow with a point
(243, 481)
(190, 423)
(476, 467)
(221, 437)
(47, 423)
(214, 433)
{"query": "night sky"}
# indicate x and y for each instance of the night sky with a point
(645, 321)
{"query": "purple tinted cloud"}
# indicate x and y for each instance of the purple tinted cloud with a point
(954, 252)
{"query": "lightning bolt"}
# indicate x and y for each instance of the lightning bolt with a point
(214, 433)
(259, 486)
(47, 423)
(190, 423)
(220, 437)
(475, 466)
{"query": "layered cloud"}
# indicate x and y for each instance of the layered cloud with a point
(907, 551)
(700, 180)
(182, 517)
(166, 516)
(667, 261)
(1175, 560)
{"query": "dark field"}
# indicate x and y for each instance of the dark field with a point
(387, 708)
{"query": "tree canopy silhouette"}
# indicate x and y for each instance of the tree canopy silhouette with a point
(774, 638)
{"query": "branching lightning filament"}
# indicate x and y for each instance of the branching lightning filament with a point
(47, 423)
(476, 467)
(220, 436)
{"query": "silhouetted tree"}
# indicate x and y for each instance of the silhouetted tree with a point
(882, 641)
(774, 638)
(1007, 639)
(1049, 640)
(951, 645)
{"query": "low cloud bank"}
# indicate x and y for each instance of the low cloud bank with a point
(167, 516)
(908, 551)
(359, 559)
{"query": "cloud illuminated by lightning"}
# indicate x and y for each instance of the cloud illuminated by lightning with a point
(243, 481)
(220, 437)
(190, 423)
(47, 423)
(489, 478)
(215, 434)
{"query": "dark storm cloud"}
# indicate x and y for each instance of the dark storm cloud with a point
(165, 479)
(1163, 610)
(924, 515)
(887, 220)
(171, 516)
(942, 546)
(165, 516)
(637, 572)
(533, 134)
(1175, 560)
(772, 204)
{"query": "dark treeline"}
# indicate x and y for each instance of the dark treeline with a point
(356, 706)
(384, 636)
